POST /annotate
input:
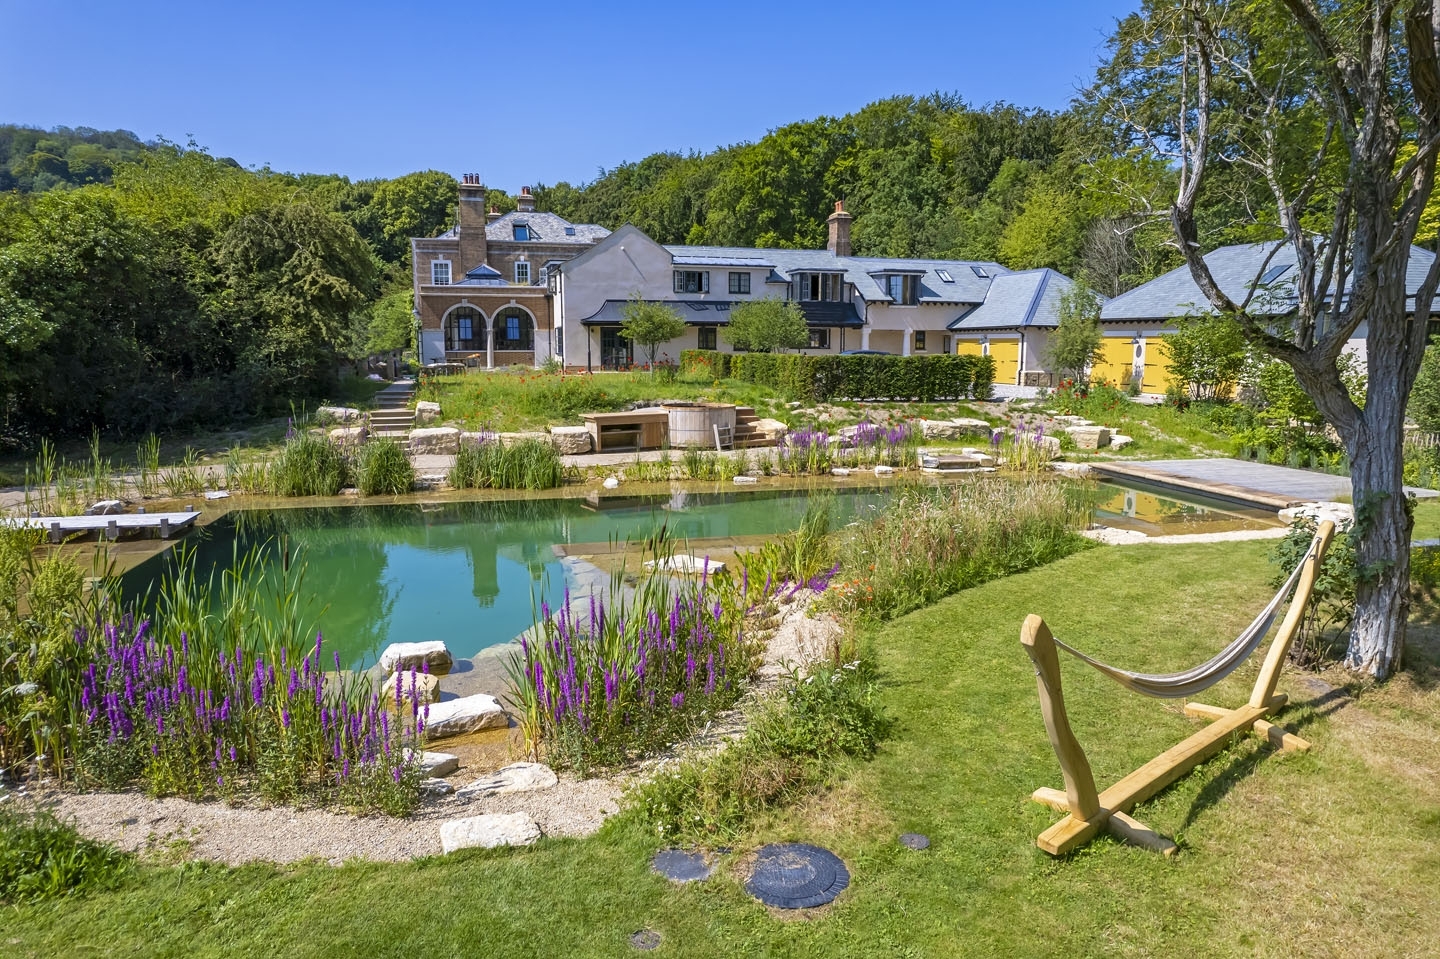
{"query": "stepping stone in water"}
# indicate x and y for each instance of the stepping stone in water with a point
(487, 832)
(515, 778)
(399, 656)
(464, 715)
(796, 876)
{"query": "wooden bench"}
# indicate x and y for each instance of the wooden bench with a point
(630, 429)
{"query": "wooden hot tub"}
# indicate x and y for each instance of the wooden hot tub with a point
(693, 424)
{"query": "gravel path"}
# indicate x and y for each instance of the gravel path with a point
(239, 834)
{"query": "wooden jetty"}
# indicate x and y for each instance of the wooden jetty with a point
(111, 526)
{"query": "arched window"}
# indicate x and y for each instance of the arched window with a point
(514, 330)
(464, 330)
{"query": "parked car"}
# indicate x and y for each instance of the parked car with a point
(865, 353)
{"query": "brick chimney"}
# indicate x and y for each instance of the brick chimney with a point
(493, 215)
(525, 202)
(839, 223)
(472, 223)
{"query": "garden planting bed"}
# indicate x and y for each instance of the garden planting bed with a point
(573, 807)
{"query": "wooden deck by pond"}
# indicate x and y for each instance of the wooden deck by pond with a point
(1259, 484)
(110, 526)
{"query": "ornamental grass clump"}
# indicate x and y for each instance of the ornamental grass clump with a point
(621, 680)
(382, 468)
(873, 445)
(929, 542)
(308, 466)
(529, 464)
(1023, 450)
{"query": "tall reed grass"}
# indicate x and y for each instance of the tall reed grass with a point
(308, 466)
(530, 464)
(381, 467)
(929, 542)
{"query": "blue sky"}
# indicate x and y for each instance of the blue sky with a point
(517, 93)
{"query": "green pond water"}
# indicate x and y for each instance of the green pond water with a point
(471, 573)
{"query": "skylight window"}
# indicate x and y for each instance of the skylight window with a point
(945, 276)
(522, 231)
(980, 272)
(569, 231)
(1273, 274)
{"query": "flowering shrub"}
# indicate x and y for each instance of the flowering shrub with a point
(603, 687)
(868, 444)
(195, 727)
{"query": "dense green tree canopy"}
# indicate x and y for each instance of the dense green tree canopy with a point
(766, 326)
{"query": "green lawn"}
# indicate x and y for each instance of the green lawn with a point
(1427, 519)
(1331, 853)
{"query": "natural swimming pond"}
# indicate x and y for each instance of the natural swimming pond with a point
(471, 573)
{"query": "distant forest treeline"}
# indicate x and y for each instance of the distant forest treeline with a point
(146, 285)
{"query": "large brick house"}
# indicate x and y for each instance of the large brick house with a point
(480, 288)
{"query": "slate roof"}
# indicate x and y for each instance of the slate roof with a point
(1235, 268)
(544, 228)
(694, 312)
(863, 271)
(1030, 298)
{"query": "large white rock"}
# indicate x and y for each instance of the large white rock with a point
(435, 764)
(106, 507)
(570, 440)
(515, 778)
(511, 439)
(349, 435)
(1118, 441)
(770, 429)
(435, 441)
(487, 832)
(427, 412)
(434, 654)
(611, 482)
(1089, 437)
(1337, 513)
(953, 429)
(344, 415)
(744, 480)
(464, 715)
(426, 686)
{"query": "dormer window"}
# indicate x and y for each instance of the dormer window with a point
(522, 232)
(826, 287)
(902, 288)
(440, 273)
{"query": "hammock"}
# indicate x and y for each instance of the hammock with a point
(1202, 677)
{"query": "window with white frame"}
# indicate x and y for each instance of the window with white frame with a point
(902, 289)
(823, 287)
(522, 272)
(819, 339)
(440, 273)
(739, 282)
(692, 281)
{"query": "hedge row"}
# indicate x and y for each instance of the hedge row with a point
(817, 378)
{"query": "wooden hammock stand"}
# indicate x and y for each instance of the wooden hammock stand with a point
(1089, 812)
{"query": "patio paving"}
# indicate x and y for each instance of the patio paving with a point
(1274, 487)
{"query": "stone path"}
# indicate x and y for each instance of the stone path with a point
(1273, 487)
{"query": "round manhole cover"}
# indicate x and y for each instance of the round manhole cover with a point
(797, 876)
(680, 865)
(645, 940)
(915, 840)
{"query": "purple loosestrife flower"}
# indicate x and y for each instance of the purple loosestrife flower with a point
(677, 700)
(285, 717)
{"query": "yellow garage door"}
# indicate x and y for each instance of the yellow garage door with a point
(1007, 360)
(1116, 361)
(968, 347)
(1157, 366)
